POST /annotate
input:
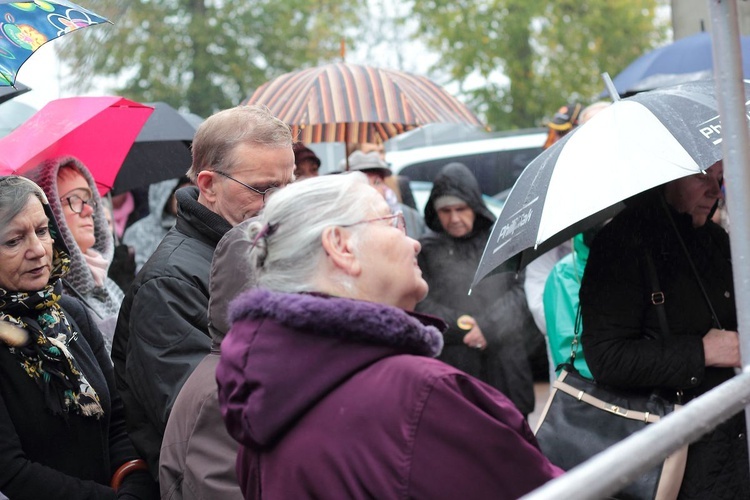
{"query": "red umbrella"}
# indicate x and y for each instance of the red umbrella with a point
(99, 131)
(351, 103)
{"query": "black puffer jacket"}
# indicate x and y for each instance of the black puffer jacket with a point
(497, 303)
(625, 347)
(162, 331)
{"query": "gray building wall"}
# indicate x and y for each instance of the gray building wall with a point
(692, 16)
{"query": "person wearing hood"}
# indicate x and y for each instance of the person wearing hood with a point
(146, 234)
(197, 454)
(487, 330)
(327, 379)
(79, 212)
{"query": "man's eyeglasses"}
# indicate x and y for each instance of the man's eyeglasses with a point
(268, 192)
(396, 220)
(76, 203)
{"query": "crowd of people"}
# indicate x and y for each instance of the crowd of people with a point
(285, 334)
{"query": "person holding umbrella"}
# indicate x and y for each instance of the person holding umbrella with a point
(658, 309)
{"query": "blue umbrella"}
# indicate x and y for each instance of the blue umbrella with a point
(26, 26)
(687, 59)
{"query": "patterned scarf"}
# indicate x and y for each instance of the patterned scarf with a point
(45, 356)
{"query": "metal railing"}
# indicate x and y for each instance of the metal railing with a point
(614, 468)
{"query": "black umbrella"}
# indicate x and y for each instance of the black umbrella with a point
(633, 145)
(160, 152)
(7, 93)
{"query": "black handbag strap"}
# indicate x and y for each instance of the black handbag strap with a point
(657, 295)
(717, 323)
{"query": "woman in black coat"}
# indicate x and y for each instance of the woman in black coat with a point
(625, 343)
(61, 420)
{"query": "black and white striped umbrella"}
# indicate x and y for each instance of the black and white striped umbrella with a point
(629, 147)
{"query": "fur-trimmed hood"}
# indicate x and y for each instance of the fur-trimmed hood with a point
(285, 352)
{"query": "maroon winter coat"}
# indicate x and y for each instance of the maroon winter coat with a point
(340, 398)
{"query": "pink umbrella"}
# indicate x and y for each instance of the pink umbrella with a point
(99, 131)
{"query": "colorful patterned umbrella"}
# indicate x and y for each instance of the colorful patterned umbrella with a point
(351, 103)
(26, 26)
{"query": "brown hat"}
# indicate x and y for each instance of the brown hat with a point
(302, 153)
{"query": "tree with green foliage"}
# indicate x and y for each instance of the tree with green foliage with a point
(205, 55)
(533, 56)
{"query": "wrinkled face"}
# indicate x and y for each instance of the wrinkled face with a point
(457, 220)
(390, 273)
(26, 250)
(305, 169)
(73, 190)
(257, 166)
(696, 194)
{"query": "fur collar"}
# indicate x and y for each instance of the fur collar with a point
(338, 317)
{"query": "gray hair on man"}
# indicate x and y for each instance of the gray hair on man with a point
(218, 136)
(289, 231)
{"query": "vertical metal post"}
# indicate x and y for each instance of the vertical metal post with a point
(730, 93)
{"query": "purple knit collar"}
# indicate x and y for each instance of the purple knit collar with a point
(337, 317)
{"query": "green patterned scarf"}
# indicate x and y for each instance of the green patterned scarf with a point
(45, 356)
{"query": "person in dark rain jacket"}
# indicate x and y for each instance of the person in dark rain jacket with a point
(624, 343)
(487, 329)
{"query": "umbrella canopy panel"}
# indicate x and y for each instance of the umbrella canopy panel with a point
(352, 103)
(7, 93)
(160, 152)
(687, 59)
(27, 26)
(97, 130)
(632, 146)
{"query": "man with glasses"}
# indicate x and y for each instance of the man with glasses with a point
(241, 156)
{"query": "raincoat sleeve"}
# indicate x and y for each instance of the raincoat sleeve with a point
(560, 309)
(137, 484)
(470, 429)
(18, 473)
(169, 345)
(506, 319)
(620, 350)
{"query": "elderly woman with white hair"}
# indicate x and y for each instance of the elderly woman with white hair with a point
(327, 377)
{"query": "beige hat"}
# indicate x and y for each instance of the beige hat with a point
(446, 201)
(364, 162)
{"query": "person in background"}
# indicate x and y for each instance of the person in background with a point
(197, 454)
(306, 162)
(80, 214)
(146, 234)
(61, 418)
(560, 298)
(327, 379)
(377, 170)
(487, 329)
(241, 156)
(127, 208)
(538, 271)
(663, 253)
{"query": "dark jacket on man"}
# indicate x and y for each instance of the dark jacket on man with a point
(497, 303)
(162, 331)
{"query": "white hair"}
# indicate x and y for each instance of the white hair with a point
(287, 255)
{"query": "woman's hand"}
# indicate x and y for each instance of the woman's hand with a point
(721, 348)
(475, 339)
